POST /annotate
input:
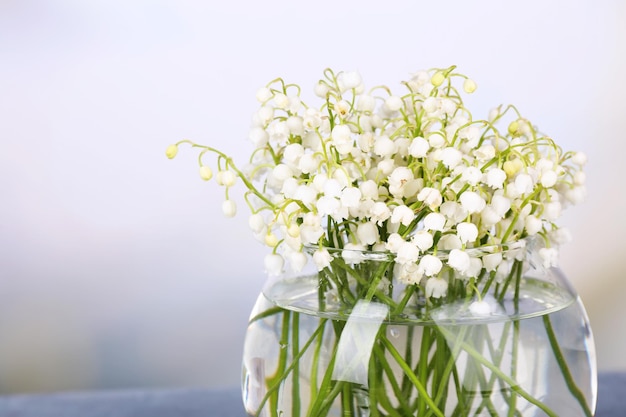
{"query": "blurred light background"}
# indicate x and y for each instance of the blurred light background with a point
(117, 268)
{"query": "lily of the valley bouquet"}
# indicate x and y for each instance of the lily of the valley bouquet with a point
(412, 250)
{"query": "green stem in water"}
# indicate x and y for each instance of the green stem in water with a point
(295, 375)
(567, 374)
(283, 371)
(504, 377)
(414, 379)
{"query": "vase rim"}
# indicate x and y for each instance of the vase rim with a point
(514, 245)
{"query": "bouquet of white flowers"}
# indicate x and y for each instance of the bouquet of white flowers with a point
(404, 201)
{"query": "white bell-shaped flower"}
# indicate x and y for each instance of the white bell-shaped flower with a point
(436, 287)
(367, 233)
(492, 261)
(434, 221)
(431, 265)
(407, 253)
(419, 147)
(467, 232)
(459, 260)
(322, 258)
(472, 202)
(402, 214)
(423, 240)
(273, 264)
(229, 208)
(431, 197)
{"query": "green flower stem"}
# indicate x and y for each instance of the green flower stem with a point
(515, 346)
(516, 269)
(497, 355)
(449, 367)
(347, 403)
(504, 377)
(327, 392)
(265, 314)
(316, 363)
(374, 376)
(405, 299)
(423, 394)
(408, 356)
(422, 369)
(280, 374)
(295, 375)
(283, 370)
(567, 374)
(229, 162)
(514, 364)
(379, 355)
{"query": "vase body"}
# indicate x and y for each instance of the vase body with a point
(356, 340)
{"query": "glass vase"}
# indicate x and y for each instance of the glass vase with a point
(366, 336)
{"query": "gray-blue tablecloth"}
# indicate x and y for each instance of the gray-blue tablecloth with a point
(223, 402)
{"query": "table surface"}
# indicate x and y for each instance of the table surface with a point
(222, 402)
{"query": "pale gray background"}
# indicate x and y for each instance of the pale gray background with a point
(116, 266)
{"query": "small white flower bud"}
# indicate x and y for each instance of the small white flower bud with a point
(273, 264)
(281, 101)
(349, 80)
(393, 103)
(206, 173)
(225, 178)
(493, 114)
(580, 178)
(366, 103)
(271, 240)
(552, 210)
(256, 222)
(548, 179)
(437, 79)
(579, 158)
(171, 151)
(533, 225)
(229, 208)
(263, 94)
(295, 125)
(321, 89)
(293, 230)
(258, 136)
(469, 86)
